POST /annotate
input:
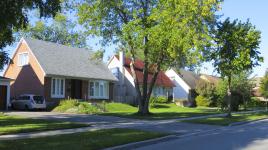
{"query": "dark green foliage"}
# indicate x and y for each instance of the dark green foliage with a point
(237, 47)
(255, 102)
(236, 100)
(264, 85)
(13, 16)
(241, 88)
(236, 50)
(3, 59)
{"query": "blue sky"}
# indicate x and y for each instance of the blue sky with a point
(255, 10)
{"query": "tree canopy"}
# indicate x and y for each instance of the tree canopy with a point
(61, 31)
(236, 50)
(264, 85)
(13, 16)
(165, 32)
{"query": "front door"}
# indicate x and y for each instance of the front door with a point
(3, 97)
(76, 89)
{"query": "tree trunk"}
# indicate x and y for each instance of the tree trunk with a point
(229, 96)
(244, 101)
(144, 100)
(132, 68)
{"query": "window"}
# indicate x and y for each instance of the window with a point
(98, 89)
(57, 88)
(91, 89)
(24, 98)
(23, 59)
(115, 72)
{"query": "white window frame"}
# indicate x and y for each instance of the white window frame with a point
(59, 95)
(19, 59)
(105, 90)
(116, 74)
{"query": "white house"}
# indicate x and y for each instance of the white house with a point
(4, 93)
(185, 83)
(124, 89)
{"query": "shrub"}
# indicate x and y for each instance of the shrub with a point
(255, 102)
(159, 99)
(154, 100)
(202, 101)
(86, 108)
(236, 100)
(74, 106)
(66, 104)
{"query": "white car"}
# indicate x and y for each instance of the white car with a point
(29, 102)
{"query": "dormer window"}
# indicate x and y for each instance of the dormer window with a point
(23, 59)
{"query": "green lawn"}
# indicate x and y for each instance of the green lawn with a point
(14, 124)
(91, 140)
(161, 111)
(223, 121)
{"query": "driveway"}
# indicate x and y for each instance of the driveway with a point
(253, 136)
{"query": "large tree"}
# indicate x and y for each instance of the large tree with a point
(14, 16)
(236, 50)
(60, 30)
(264, 85)
(165, 31)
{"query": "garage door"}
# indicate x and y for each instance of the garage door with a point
(3, 97)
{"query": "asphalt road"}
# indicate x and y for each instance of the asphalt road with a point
(252, 136)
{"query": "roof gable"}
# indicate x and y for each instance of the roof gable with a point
(189, 77)
(162, 79)
(61, 60)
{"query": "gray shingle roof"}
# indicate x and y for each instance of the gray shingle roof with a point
(189, 77)
(60, 60)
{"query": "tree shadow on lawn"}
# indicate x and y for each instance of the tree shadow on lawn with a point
(10, 125)
(160, 106)
(160, 115)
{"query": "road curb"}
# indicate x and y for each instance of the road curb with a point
(245, 122)
(143, 143)
(157, 140)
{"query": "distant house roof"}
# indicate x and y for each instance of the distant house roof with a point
(210, 78)
(60, 60)
(162, 79)
(189, 77)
